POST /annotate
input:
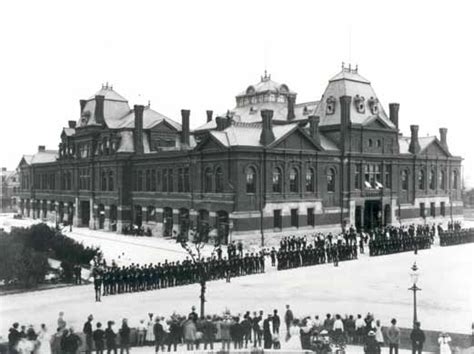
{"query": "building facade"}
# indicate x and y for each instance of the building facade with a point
(9, 191)
(268, 167)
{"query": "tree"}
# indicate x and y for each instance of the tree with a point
(194, 248)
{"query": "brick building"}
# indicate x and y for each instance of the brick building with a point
(9, 191)
(268, 167)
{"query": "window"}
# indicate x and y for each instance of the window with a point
(442, 179)
(250, 178)
(277, 180)
(370, 143)
(180, 180)
(422, 210)
(331, 181)
(164, 186)
(379, 143)
(455, 179)
(170, 180)
(432, 179)
(404, 180)
(373, 176)
(148, 180)
(358, 177)
(150, 213)
(311, 216)
(388, 176)
(277, 219)
(139, 181)
(103, 185)
(219, 180)
(442, 209)
(153, 180)
(84, 179)
(433, 209)
(111, 180)
(186, 180)
(208, 180)
(421, 179)
(294, 217)
(294, 180)
(310, 180)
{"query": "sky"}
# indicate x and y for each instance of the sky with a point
(198, 55)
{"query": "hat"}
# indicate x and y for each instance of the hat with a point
(371, 333)
(323, 332)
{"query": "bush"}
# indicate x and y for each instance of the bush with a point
(21, 264)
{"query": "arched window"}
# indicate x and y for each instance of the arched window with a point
(207, 180)
(455, 179)
(309, 180)
(442, 179)
(432, 179)
(404, 180)
(111, 180)
(331, 180)
(251, 180)
(277, 180)
(294, 180)
(104, 181)
(421, 179)
(219, 180)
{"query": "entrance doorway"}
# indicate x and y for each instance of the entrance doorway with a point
(85, 213)
(358, 218)
(222, 227)
(387, 216)
(101, 215)
(372, 214)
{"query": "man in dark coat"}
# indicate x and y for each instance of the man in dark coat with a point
(276, 322)
(417, 337)
(209, 331)
(70, 342)
(267, 333)
(87, 330)
(13, 338)
(124, 337)
(110, 338)
(159, 334)
(98, 336)
(288, 318)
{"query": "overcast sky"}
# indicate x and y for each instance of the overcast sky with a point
(199, 54)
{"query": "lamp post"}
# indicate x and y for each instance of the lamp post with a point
(414, 278)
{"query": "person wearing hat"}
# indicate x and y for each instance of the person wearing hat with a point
(87, 330)
(149, 336)
(193, 315)
(443, 340)
(417, 337)
(371, 345)
(111, 338)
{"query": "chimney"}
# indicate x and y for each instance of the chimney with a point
(185, 126)
(71, 123)
(414, 147)
(209, 116)
(138, 130)
(267, 136)
(291, 107)
(41, 148)
(442, 137)
(314, 128)
(83, 104)
(394, 107)
(99, 109)
(345, 102)
(222, 123)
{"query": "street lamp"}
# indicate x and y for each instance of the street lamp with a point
(414, 278)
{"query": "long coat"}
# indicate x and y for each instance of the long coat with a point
(189, 330)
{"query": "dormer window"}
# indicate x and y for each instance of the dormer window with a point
(359, 102)
(374, 105)
(330, 105)
(305, 111)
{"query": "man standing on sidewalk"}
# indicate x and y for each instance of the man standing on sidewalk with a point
(393, 335)
(417, 337)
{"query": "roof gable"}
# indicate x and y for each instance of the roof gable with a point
(434, 148)
(376, 122)
(295, 139)
(164, 127)
(210, 142)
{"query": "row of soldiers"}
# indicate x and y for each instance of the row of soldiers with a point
(322, 252)
(117, 280)
(379, 246)
(451, 237)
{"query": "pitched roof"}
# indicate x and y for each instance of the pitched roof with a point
(69, 131)
(109, 94)
(44, 157)
(151, 118)
(266, 84)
